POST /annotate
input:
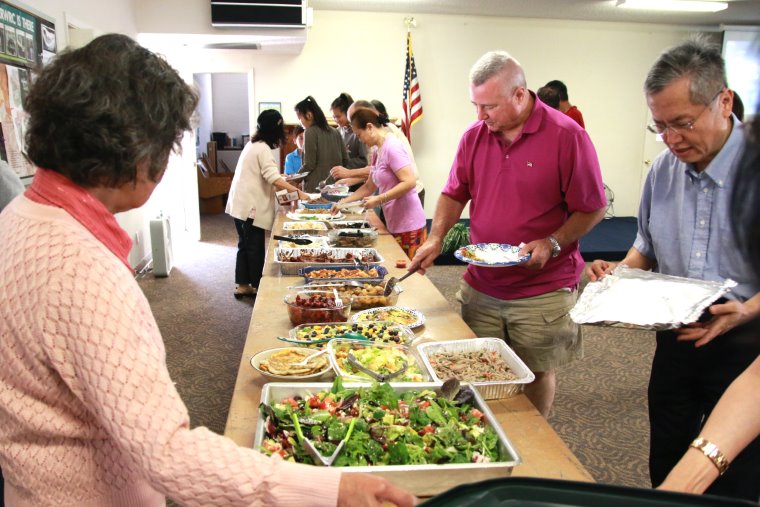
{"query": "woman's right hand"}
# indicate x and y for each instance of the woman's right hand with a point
(362, 490)
(599, 269)
(303, 196)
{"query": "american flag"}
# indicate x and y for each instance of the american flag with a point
(412, 103)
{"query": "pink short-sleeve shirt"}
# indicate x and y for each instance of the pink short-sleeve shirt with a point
(523, 192)
(405, 213)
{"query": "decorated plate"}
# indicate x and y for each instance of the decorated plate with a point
(404, 316)
(491, 255)
(314, 216)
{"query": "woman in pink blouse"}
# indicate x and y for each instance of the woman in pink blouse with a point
(88, 413)
(392, 177)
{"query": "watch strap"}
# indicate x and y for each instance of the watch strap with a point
(556, 249)
(712, 452)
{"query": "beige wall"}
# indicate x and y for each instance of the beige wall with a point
(362, 53)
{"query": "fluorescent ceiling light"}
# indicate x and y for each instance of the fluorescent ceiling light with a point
(673, 5)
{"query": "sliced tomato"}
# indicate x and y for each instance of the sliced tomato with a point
(316, 402)
(290, 401)
(425, 404)
(476, 413)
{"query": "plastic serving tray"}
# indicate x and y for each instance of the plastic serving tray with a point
(489, 390)
(292, 268)
(336, 345)
(421, 480)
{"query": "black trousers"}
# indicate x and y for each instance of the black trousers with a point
(684, 387)
(249, 264)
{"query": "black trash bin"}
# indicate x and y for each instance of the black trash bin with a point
(532, 492)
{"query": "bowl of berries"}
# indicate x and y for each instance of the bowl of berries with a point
(315, 306)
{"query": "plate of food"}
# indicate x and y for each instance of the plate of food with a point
(404, 316)
(314, 215)
(287, 364)
(491, 255)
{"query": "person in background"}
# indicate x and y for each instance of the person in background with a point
(357, 152)
(360, 175)
(294, 159)
(548, 96)
(684, 229)
(323, 146)
(531, 175)
(392, 177)
(564, 102)
(10, 184)
(88, 412)
(251, 201)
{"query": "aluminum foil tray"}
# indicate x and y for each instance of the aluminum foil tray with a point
(381, 272)
(292, 268)
(421, 480)
(489, 390)
(634, 298)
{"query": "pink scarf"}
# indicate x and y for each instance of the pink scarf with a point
(54, 189)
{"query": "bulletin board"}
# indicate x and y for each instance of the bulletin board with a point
(27, 42)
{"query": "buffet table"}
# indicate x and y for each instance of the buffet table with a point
(543, 453)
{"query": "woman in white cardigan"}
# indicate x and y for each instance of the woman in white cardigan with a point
(252, 201)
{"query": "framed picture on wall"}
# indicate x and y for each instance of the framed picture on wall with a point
(263, 106)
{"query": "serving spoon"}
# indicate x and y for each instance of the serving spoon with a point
(393, 281)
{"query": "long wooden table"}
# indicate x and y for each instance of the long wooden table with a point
(543, 453)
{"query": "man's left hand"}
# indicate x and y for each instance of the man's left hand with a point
(540, 252)
(726, 316)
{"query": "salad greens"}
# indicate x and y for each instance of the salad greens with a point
(391, 428)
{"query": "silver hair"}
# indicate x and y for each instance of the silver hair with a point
(494, 63)
(697, 59)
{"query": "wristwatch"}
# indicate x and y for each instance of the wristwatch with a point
(556, 249)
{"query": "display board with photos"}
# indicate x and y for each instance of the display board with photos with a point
(27, 41)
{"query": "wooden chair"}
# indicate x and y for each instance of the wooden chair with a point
(212, 188)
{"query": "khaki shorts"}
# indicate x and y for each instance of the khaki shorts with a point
(538, 328)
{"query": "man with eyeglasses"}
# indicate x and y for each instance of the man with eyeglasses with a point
(685, 230)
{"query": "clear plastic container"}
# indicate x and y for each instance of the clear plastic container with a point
(316, 306)
(381, 332)
(382, 358)
(352, 238)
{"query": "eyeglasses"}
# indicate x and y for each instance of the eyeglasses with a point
(681, 127)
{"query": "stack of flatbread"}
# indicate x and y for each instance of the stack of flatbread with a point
(283, 363)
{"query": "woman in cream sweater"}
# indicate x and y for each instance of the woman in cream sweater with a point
(252, 202)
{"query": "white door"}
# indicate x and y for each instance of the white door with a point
(653, 146)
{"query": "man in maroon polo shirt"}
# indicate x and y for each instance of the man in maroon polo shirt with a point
(531, 175)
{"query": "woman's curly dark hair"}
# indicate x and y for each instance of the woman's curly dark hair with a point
(98, 111)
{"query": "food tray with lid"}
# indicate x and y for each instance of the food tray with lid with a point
(293, 267)
(489, 390)
(423, 479)
(332, 273)
(382, 355)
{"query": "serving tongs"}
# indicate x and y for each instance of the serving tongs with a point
(380, 377)
(312, 450)
(297, 241)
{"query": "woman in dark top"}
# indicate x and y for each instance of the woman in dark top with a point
(323, 146)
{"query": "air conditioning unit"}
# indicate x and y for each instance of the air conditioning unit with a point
(251, 13)
(161, 246)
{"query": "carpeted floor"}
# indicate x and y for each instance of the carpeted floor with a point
(600, 409)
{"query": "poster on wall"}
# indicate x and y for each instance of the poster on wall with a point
(19, 39)
(27, 41)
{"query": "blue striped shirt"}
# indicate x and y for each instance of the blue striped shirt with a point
(685, 219)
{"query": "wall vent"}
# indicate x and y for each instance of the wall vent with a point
(269, 13)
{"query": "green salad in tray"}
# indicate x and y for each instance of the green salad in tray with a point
(415, 427)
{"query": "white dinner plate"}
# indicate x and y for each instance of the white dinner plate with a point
(491, 255)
